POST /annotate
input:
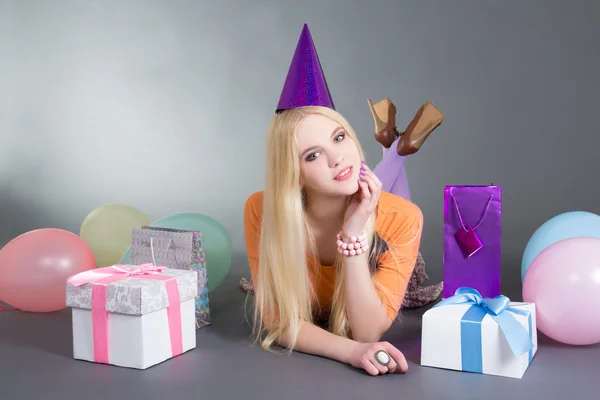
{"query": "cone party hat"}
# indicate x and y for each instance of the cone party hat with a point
(305, 84)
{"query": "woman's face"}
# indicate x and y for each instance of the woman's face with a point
(329, 159)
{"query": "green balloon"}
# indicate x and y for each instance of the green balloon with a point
(217, 243)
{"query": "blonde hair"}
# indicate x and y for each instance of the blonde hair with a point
(284, 293)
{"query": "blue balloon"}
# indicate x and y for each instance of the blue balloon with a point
(563, 226)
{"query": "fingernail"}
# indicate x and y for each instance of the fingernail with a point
(364, 162)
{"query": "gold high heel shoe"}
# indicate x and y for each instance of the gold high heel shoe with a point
(427, 119)
(384, 118)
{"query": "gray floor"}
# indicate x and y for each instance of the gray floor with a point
(36, 363)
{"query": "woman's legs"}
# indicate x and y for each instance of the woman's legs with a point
(392, 173)
(400, 187)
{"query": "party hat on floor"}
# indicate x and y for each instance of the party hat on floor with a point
(305, 84)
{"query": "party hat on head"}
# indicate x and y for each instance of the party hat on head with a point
(305, 84)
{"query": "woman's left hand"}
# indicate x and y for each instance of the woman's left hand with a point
(363, 202)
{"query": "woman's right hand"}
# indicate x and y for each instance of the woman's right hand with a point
(363, 356)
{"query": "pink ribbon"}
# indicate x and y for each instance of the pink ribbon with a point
(102, 277)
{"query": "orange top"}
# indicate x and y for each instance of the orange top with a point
(399, 222)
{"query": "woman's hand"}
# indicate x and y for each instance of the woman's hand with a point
(363, 202)
(363, 356)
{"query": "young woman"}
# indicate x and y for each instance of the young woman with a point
(330, 254)
(317, 186)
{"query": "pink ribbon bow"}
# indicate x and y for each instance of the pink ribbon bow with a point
(100, 278)
(117, 271)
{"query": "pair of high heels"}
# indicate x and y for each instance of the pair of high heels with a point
(425, 121)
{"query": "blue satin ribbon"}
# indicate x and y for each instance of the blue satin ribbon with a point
(519, 340)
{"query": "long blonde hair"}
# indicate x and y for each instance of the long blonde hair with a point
(284, 293)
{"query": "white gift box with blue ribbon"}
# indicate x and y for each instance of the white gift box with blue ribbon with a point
(468, 333)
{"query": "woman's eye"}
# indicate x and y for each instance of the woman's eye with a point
(339, 137)
(311, 156)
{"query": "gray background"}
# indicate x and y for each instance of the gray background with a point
(131, 102)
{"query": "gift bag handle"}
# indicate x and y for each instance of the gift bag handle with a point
(166, 250)
(487, 207)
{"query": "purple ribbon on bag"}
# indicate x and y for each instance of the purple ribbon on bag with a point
(466, 237)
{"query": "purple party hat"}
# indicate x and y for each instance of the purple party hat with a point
(305, 84)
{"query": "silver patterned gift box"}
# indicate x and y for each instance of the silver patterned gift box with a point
(123, 315)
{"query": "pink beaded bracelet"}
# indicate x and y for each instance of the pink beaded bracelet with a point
(357, 244)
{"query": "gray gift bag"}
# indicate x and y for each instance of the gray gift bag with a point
(178, 249)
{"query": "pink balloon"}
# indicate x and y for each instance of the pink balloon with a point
(564, 282)
(34, 268)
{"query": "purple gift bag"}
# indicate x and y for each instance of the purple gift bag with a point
(472, 238)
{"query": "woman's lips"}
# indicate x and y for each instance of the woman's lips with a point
(344, 174)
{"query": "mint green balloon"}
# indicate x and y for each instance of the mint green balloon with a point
(217, 243)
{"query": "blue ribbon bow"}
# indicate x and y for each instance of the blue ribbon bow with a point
(519, 340)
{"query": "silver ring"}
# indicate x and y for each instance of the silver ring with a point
(382, 357)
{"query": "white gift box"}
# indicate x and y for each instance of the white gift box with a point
(136, 326)
(463, 337)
